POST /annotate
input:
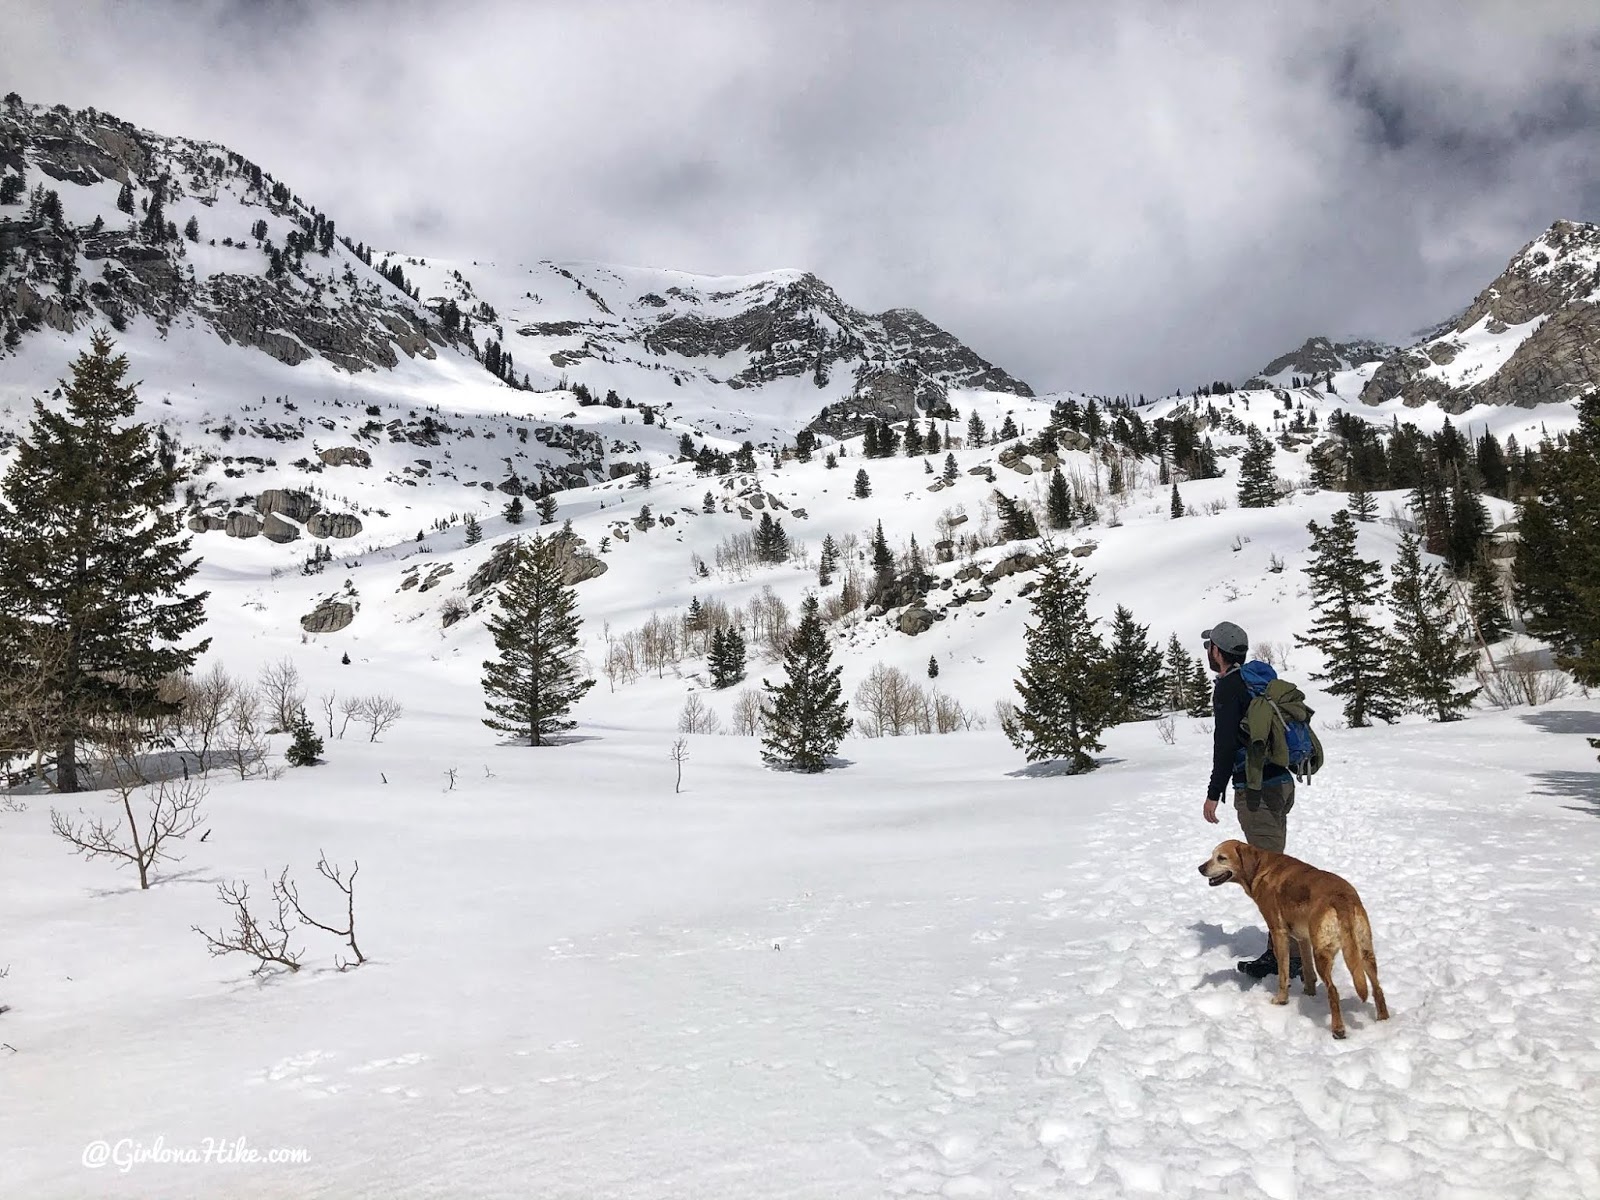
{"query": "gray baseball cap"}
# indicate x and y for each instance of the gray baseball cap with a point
(1228, 637)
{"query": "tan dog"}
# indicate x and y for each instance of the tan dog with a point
(1321, 911)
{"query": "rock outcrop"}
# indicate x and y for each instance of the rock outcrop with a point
(328, 617)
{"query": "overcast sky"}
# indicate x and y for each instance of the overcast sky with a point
(1109, 196)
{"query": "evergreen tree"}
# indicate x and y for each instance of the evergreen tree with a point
(975, 431)
(952, 472)
(931, 440)
(772, 543)
(829, 561)
(1363, 505)
(1114, 477)
(1134, 669)
(882, 556)
(708, 504)
(1008, 429)
(1357, 652)
(474, 531)
(804, 719)
(1017, 521)
(1437, 647)
(1058, 501)
(89, 554)
(514, 510)
(191, 230)
(305, 749)
(933, 667)
(643, 477)
(1200, 688)
(125, 197)
(1177, 503)
(727, 658)
(912, 441)
(1469, 529)
(547, 509)
(1487, 603)
(1066, 698)
(1492, 468)
(830, 462)
(537, 677)
(1257, 484)
(1176, 674)
(869, 440)
(863, 484)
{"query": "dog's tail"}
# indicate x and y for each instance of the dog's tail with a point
(1357, 946)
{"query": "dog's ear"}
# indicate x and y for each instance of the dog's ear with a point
(1245, 855)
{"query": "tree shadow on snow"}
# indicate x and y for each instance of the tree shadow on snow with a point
(1055, 768)
(1563, 720)
(1575, 785)
(551, 742)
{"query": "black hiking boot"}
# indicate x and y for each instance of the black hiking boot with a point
(1267, 964)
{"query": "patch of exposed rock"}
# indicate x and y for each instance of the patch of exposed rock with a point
(328, 617)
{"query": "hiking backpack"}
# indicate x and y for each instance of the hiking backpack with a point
(1291, 743)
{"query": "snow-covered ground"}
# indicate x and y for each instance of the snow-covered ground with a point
(932, 972)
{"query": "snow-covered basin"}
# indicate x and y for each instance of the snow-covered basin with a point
(930, 972)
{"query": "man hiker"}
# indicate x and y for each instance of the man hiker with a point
(1263, 815)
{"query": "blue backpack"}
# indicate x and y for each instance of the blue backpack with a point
(1295, 745)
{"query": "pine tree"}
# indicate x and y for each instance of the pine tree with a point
(1257, 484)
(1066, 698)
(1200, 688)
(912, 441)
(1469, 529)
(125, 197)
(952, 472)
(88, 553)
(305, 748)
(829, 561)
(804, 719)
(474, 531)
(1114, 477)
(537, 677)
(1058, 501)
(931, 440)
(1134, 669)
(975, 431)
(1487, 603)
(1017, 521)
(772, 543)
(1177, 503)
(547, 509)
(1363, 505)
(882, 556)
(1437, 647)
(1008, 429)
(863, 484)
(708, 504)
(1357, 652)
(933, 667)
(869, 440)
(514, 511)
(191, 229)
(727, 657)
(1176, 674)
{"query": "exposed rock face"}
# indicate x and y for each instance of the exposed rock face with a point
(276, 529)
(577, 565)
(1012, 565)
(243, 525)
(1554, 281)
(1320, 356)
(334, 525)
(206, 523)
(289, 311)
(328, 617)
(345, 456)
(298, 506)
(915, 620)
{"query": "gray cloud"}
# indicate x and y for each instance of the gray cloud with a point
(1122, 197)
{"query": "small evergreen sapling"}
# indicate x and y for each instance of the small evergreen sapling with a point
(305, 747)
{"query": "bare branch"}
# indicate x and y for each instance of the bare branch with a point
(335, 876)
(269, 946)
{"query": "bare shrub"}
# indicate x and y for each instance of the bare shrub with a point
(1274, 654)
(950, 717)
(746, 716)
(379, 714)
(268, 945)
(152, 816)
(621, 661)
(326, 702)
(243, 742)
(1522, 677)
(659, 644)
(203, 712)
(679, 755)
(1166, 729)
(696, 717)
(287, 888)
(889, 704)
(1275, 564)
(769, 623)
(736, 554)
(282, 694)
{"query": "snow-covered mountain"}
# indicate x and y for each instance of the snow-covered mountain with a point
(1532, 337)
(1318, 357)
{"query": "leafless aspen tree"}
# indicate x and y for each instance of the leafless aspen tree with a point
(379, 713)
(244, 744)
(204, 712)
(282, 694)
(746, 715)
(696, 717)
(680, 755)
(349, 709)
(153, 815)
(326, 702)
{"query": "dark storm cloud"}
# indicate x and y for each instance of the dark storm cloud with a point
(1114, 197)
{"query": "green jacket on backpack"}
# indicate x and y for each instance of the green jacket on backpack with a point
(1264, 736)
